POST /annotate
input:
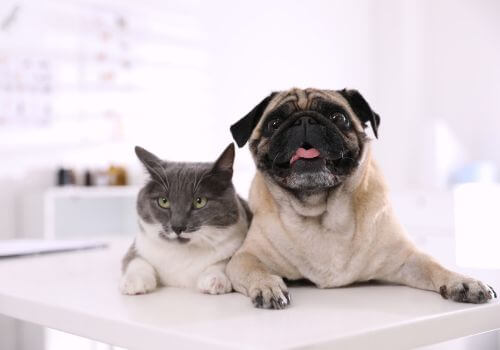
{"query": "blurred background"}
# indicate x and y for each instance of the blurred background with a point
(83, 81)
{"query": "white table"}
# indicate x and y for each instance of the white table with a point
(77, 293)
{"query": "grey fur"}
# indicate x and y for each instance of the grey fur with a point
(181, 183)
(191, 222)
(129, 256)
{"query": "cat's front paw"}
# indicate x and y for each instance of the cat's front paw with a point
(467, 291)
(214, 283)
(136, 283)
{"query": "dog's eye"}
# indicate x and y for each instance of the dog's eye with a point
(274, 124)
(340, 120)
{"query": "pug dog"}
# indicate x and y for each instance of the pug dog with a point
(320, 204)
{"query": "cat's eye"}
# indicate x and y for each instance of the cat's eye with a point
(200, 202)
(163, 202)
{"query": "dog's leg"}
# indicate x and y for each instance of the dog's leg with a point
(421, 271)
(250, 277)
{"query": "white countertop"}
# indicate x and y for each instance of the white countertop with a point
(77, 292)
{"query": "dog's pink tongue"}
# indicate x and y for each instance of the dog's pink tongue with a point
(304, 153)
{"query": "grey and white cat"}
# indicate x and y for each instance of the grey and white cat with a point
(191, 222)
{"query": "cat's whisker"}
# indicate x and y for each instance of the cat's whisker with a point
(165, 177)
(175, 234)
(194, 183)
(202, 177)
(157, 174)
(159, 183)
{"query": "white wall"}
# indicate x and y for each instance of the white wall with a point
(415, 61)
(257, 48)
(461, 59)
(437, 63)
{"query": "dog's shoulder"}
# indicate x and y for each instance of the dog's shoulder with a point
(260, 199)
(370, 190)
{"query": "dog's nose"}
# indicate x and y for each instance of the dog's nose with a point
(305, 121)
(178, 229)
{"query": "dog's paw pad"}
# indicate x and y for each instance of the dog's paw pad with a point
(215, 283)
(270, 293)
(467, 291)
(134, 283)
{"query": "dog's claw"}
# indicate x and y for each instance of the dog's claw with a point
(276, 303)
(258, 301)
(270, 293)
(492, 291)
(469, 291)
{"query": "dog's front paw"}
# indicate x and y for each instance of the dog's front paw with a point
(269, 292)
(467, 291)
(136, 283)
(214, 283)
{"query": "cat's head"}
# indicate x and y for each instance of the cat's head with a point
(180, 198)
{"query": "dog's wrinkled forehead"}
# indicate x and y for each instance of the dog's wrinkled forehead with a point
(303, 99)
(349, 101)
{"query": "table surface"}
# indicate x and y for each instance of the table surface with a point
(77, 292)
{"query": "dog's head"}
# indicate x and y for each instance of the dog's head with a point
(307, 140)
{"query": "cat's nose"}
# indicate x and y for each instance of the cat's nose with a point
(178, 229)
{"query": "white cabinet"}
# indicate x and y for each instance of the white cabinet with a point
(79, 212)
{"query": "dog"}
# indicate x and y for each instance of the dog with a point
(321, 206)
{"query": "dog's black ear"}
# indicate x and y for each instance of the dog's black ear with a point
(362, 109)
(242, 129)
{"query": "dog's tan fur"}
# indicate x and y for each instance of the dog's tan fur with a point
(344, 235)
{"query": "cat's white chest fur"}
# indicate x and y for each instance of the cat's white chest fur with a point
(181, 264)
(198, 264)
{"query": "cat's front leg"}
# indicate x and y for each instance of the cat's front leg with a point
(213, 280)
(139, 277)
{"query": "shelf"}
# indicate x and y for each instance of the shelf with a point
(92, 192)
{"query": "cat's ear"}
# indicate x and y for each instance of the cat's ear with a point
(219, 177)
(224, 164)
(152, 163)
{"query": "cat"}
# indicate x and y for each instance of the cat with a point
(191, 222)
